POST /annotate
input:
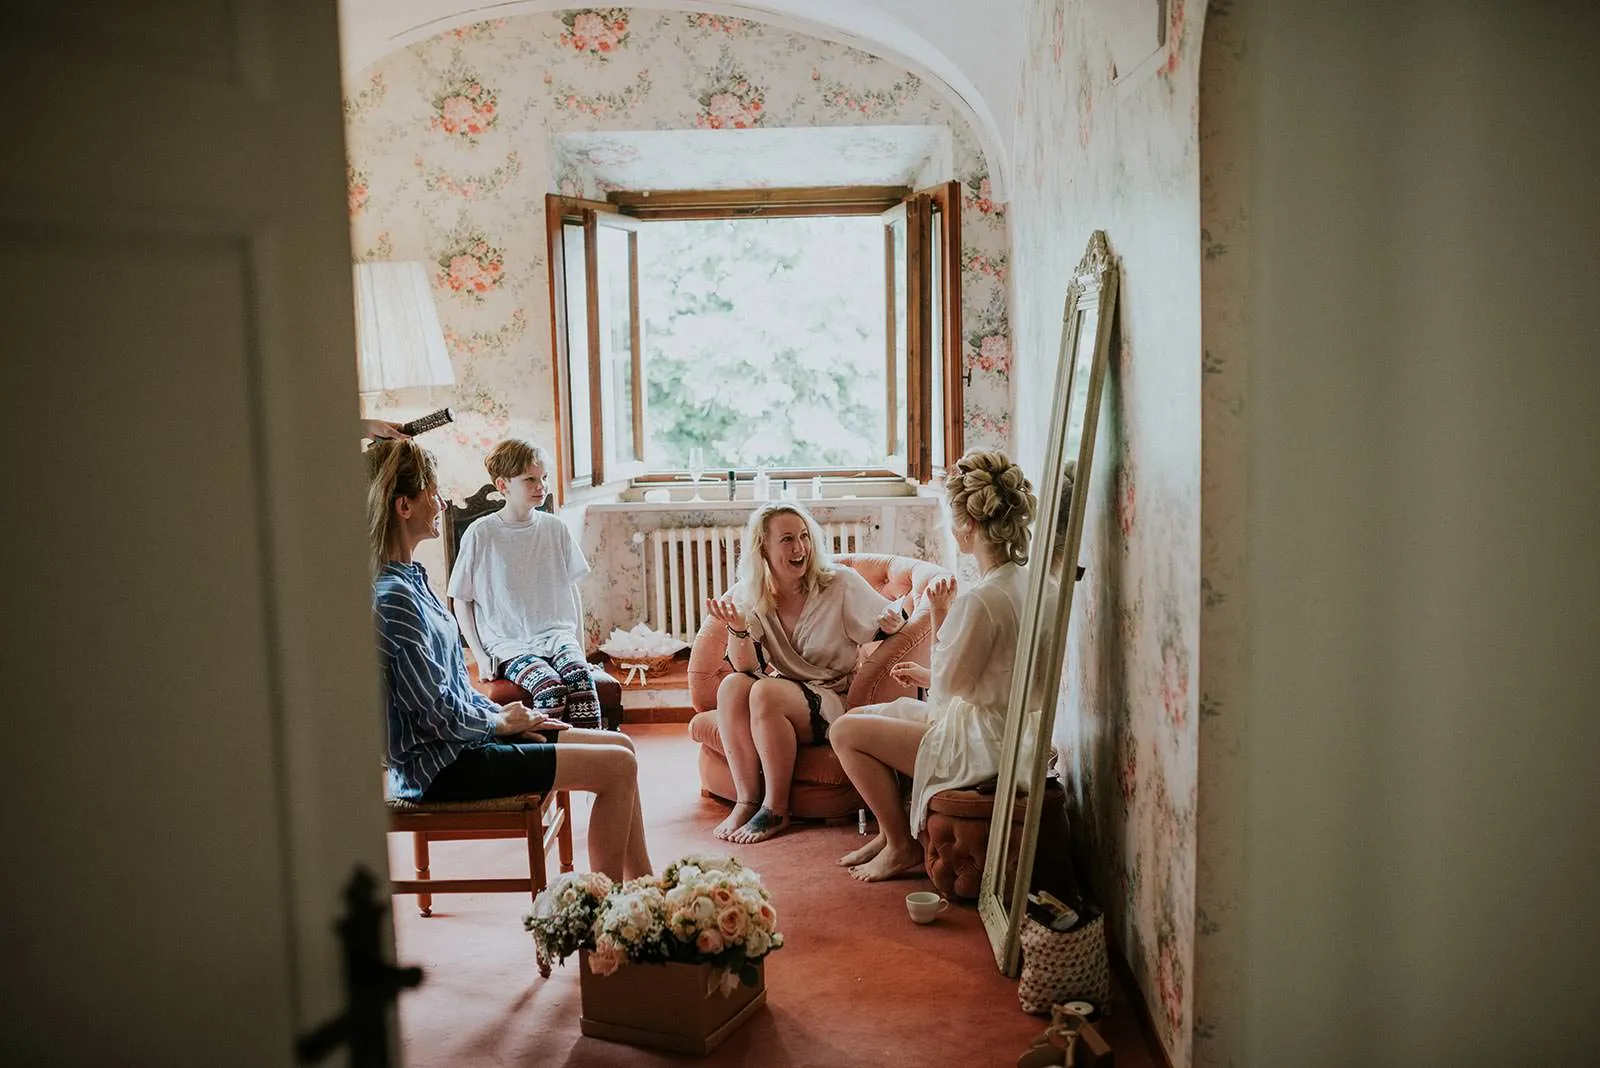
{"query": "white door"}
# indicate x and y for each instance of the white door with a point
(190, 756)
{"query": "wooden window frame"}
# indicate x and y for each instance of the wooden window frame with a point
(921, 364)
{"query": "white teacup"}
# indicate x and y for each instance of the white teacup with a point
(924, 905)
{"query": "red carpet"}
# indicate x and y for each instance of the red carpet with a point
(857, 983)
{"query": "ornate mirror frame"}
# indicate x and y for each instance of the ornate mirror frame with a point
(1062, 486)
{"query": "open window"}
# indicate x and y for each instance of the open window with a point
(803, 330)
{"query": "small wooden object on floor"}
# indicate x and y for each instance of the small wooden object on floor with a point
(1070, 1040)
(543, 819)
(678, 1007)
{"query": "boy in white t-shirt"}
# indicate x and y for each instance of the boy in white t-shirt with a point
(515, 589)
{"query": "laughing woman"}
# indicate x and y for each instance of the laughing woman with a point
(796, 623)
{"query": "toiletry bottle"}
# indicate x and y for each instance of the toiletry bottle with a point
(731, 484)
(816, 487)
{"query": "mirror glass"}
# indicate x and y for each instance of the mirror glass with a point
(1062, 487)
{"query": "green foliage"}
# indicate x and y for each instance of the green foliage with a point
(763, 341)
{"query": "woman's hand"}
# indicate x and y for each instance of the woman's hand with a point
(726, 612)
(514, 719)
(891, 620)
(517, 720)
(911, 673)
(940, 592)
(381, 428)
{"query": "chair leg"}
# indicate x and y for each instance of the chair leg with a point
(419, 850)
(537, 878)
(564, 835)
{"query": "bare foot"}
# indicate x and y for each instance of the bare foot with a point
(864, 853)
(763, 825)
(742, 811)
(890, 863)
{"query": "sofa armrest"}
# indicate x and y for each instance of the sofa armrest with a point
(873, 684)
(707, 663)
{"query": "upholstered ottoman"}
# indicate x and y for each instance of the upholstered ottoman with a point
(955, 841)
(821, 790)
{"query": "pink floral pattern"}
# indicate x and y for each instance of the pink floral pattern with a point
(980, 197)
(568, 97)
(595, 31)
(470, 266)
(363, 102)
(732, 102)
(978, 261)
(356, 189)
(465, 108)
(441, 180)
(725, 24)
(869, 103)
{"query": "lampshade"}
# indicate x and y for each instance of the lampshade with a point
(398, 338)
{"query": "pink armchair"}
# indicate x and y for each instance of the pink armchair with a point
(821, 788)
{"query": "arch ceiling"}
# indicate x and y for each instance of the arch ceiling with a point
(972, 51)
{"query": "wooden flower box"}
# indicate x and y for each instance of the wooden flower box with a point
(678, 1007)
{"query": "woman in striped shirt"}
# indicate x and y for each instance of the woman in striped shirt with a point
(446, 741)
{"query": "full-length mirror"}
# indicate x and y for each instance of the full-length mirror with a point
(1062, 485)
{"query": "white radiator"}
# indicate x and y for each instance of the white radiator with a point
(685, 565)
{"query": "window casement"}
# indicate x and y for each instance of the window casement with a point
(600, 366)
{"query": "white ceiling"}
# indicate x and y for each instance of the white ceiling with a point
(972, 49)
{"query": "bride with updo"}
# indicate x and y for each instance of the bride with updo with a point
(952, 740)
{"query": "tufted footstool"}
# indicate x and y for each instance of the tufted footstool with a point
(955, 840)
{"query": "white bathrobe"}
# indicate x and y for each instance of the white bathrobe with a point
(966, 707)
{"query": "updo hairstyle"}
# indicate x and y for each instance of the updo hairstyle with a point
(990, 492)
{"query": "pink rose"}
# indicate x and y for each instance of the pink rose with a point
(732, 922)
(767, 915)
(707, 942)
(605, 958)
(721, 897)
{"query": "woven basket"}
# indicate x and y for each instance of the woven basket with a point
(651, 663)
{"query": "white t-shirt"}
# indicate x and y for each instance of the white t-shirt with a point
(520, 578)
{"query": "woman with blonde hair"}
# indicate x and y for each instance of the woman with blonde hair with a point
(446, 741)
(952, 740)
(796, 623)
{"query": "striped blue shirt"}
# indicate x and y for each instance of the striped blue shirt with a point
(433, 713)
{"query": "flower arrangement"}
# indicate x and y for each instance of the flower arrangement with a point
(701, 910)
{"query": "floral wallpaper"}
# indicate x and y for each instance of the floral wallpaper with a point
(1103, 149)
(453, 144)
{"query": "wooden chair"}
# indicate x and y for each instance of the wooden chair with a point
(541, 819)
